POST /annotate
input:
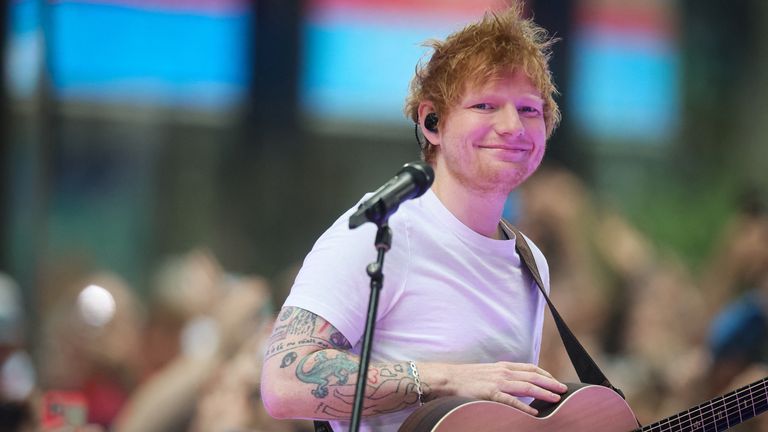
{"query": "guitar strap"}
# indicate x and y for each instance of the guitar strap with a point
(586, 368)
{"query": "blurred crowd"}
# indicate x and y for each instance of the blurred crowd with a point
(188, 356)
(668, 335)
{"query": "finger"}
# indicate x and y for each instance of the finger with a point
(514, 403)
(527, 389)
(527, 367)
(548, 383)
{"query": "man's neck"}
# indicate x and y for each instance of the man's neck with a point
(478, 210)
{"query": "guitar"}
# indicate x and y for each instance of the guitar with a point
(584, 408)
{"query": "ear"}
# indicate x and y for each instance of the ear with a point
(426, 107)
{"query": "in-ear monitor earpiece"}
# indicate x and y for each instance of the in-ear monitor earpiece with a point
(430, 122)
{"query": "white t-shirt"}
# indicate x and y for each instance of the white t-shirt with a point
(449, 294)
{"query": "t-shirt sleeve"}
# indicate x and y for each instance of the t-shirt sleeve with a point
(333, 282)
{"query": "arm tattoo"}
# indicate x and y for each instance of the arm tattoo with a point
(297, 327)
(324, 370)
(330, 371)
(288, 360)
(390, 387)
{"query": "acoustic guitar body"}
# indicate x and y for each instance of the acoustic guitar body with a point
(584, 408)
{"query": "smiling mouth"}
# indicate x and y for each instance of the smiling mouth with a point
(516, 154)
(518, 149)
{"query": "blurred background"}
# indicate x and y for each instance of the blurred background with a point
(166, 164)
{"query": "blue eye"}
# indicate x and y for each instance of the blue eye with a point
(483, 106)
(529, 110)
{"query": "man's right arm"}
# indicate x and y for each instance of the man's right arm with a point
(310, 373)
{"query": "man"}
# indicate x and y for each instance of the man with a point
(458, 314)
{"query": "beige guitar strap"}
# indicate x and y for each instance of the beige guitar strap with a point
(586, 368)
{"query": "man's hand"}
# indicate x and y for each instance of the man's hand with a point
(500, 382)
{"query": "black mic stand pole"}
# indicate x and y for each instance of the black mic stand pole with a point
(383, 243)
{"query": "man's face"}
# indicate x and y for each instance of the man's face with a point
(495, 137)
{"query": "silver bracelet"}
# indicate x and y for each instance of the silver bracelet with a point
(417, 381)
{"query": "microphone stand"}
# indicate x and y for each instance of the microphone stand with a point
(383, 243)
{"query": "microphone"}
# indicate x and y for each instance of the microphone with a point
(413, 179)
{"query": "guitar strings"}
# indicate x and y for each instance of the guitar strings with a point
(730, 401)
(707, 419)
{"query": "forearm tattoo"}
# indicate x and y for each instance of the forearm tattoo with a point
(331, 373)
(389, 387)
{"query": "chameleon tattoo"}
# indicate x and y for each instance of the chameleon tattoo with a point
(324, 368)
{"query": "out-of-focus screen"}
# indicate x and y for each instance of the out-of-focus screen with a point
(190, 54)
(359, 56)
(626, 71)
